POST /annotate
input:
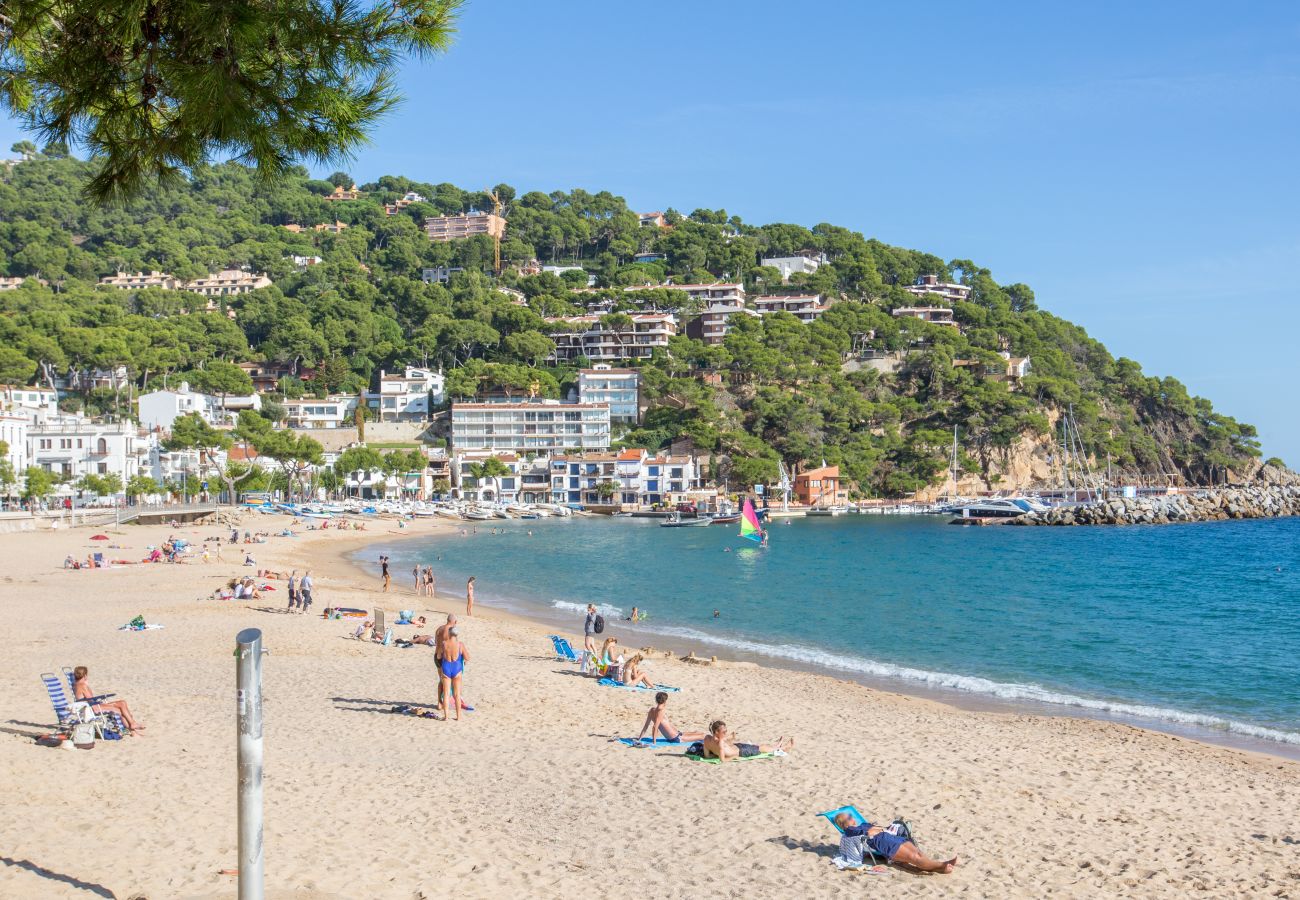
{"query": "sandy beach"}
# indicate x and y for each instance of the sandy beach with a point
(528, 796)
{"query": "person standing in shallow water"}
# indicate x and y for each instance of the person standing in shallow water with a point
(469, 596)
(383, 563)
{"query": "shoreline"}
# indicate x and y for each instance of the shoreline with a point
(544, 619)
(1033, 805)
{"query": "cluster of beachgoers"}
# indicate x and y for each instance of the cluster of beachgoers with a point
(537, 748)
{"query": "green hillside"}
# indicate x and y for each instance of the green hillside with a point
(776, 389)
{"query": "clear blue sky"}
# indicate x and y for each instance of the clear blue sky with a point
(1136, 164)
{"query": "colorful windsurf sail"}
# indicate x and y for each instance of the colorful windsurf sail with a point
(749, 527)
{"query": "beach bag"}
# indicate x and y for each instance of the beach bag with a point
(598, 626)
(695, 749)
(83, 735)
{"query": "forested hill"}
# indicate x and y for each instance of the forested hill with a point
(776, 389)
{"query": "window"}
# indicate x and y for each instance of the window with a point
(103, 468)
(45, 443)
(103, 445)
(65, 443)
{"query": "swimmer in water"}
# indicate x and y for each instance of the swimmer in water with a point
(716, 614)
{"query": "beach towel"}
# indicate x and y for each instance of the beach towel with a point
(610, 682)
(717, 762)
(152, 626)
(657, 742)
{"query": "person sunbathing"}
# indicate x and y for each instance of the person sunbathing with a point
(633, 676)
(82, 691)
(721, 745)
(893, 848)
(657, 720)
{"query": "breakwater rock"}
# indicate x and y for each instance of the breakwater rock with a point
(1255, 501)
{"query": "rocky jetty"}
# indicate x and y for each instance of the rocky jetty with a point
(1254, 501)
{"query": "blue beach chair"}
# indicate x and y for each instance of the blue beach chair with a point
(847, 859)
(563, 650)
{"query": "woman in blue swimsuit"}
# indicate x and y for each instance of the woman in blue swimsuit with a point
(450, 668)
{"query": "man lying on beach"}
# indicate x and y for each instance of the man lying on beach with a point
(718, 744)
(893, 848)
(657, 720)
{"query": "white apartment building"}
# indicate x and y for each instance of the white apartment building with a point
(536, 426)
(11, 284)
(73, 446)
(712, 325)
(804, 307)
(226, 283)
(639, 479)
(620, 389)
(333, 412)
(931, 286)
(592, 340)
(407, 397)
(305, 262)
(704, 294)
(134, 281)
(802, 264)
(502, 489)
(938, 315)
(13, 432)
(160, 409)
(440, 274)
(41, 399)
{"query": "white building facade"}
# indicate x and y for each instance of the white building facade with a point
(409, 397)
(620, 389)
(533, 427)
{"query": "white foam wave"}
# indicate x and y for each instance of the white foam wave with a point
(974, 685)
(607, 610)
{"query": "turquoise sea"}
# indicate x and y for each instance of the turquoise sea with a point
(1194, 628)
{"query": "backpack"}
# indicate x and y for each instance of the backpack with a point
(598, 626)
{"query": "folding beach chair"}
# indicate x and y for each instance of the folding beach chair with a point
(381, 625)
(99, 560)
(855, 852)
(114, 720)
(563, 650)
(69, 713)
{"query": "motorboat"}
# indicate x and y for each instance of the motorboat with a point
(728, 518)
(997, 508)
(676, 521)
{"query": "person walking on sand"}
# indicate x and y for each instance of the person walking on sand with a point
(893, 848)
(589, 629)
(469, 596)
(454, 656)
(657, 720)
(419, 581)
(383, 564)
(304, 591)
(430, 582)
(293, 589)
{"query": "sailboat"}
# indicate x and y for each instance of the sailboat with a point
(749, 525)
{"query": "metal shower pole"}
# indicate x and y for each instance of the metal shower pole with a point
(248, 684)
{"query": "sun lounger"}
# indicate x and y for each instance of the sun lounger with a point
(610, 682)
(563, 650)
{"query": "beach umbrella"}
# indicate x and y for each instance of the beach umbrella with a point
(99, 537)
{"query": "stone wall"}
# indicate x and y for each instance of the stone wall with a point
(1256, 501)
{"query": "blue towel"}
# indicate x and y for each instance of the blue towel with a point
(610, 682)
(657, 742)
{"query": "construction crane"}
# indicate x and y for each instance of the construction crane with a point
(496, 235)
